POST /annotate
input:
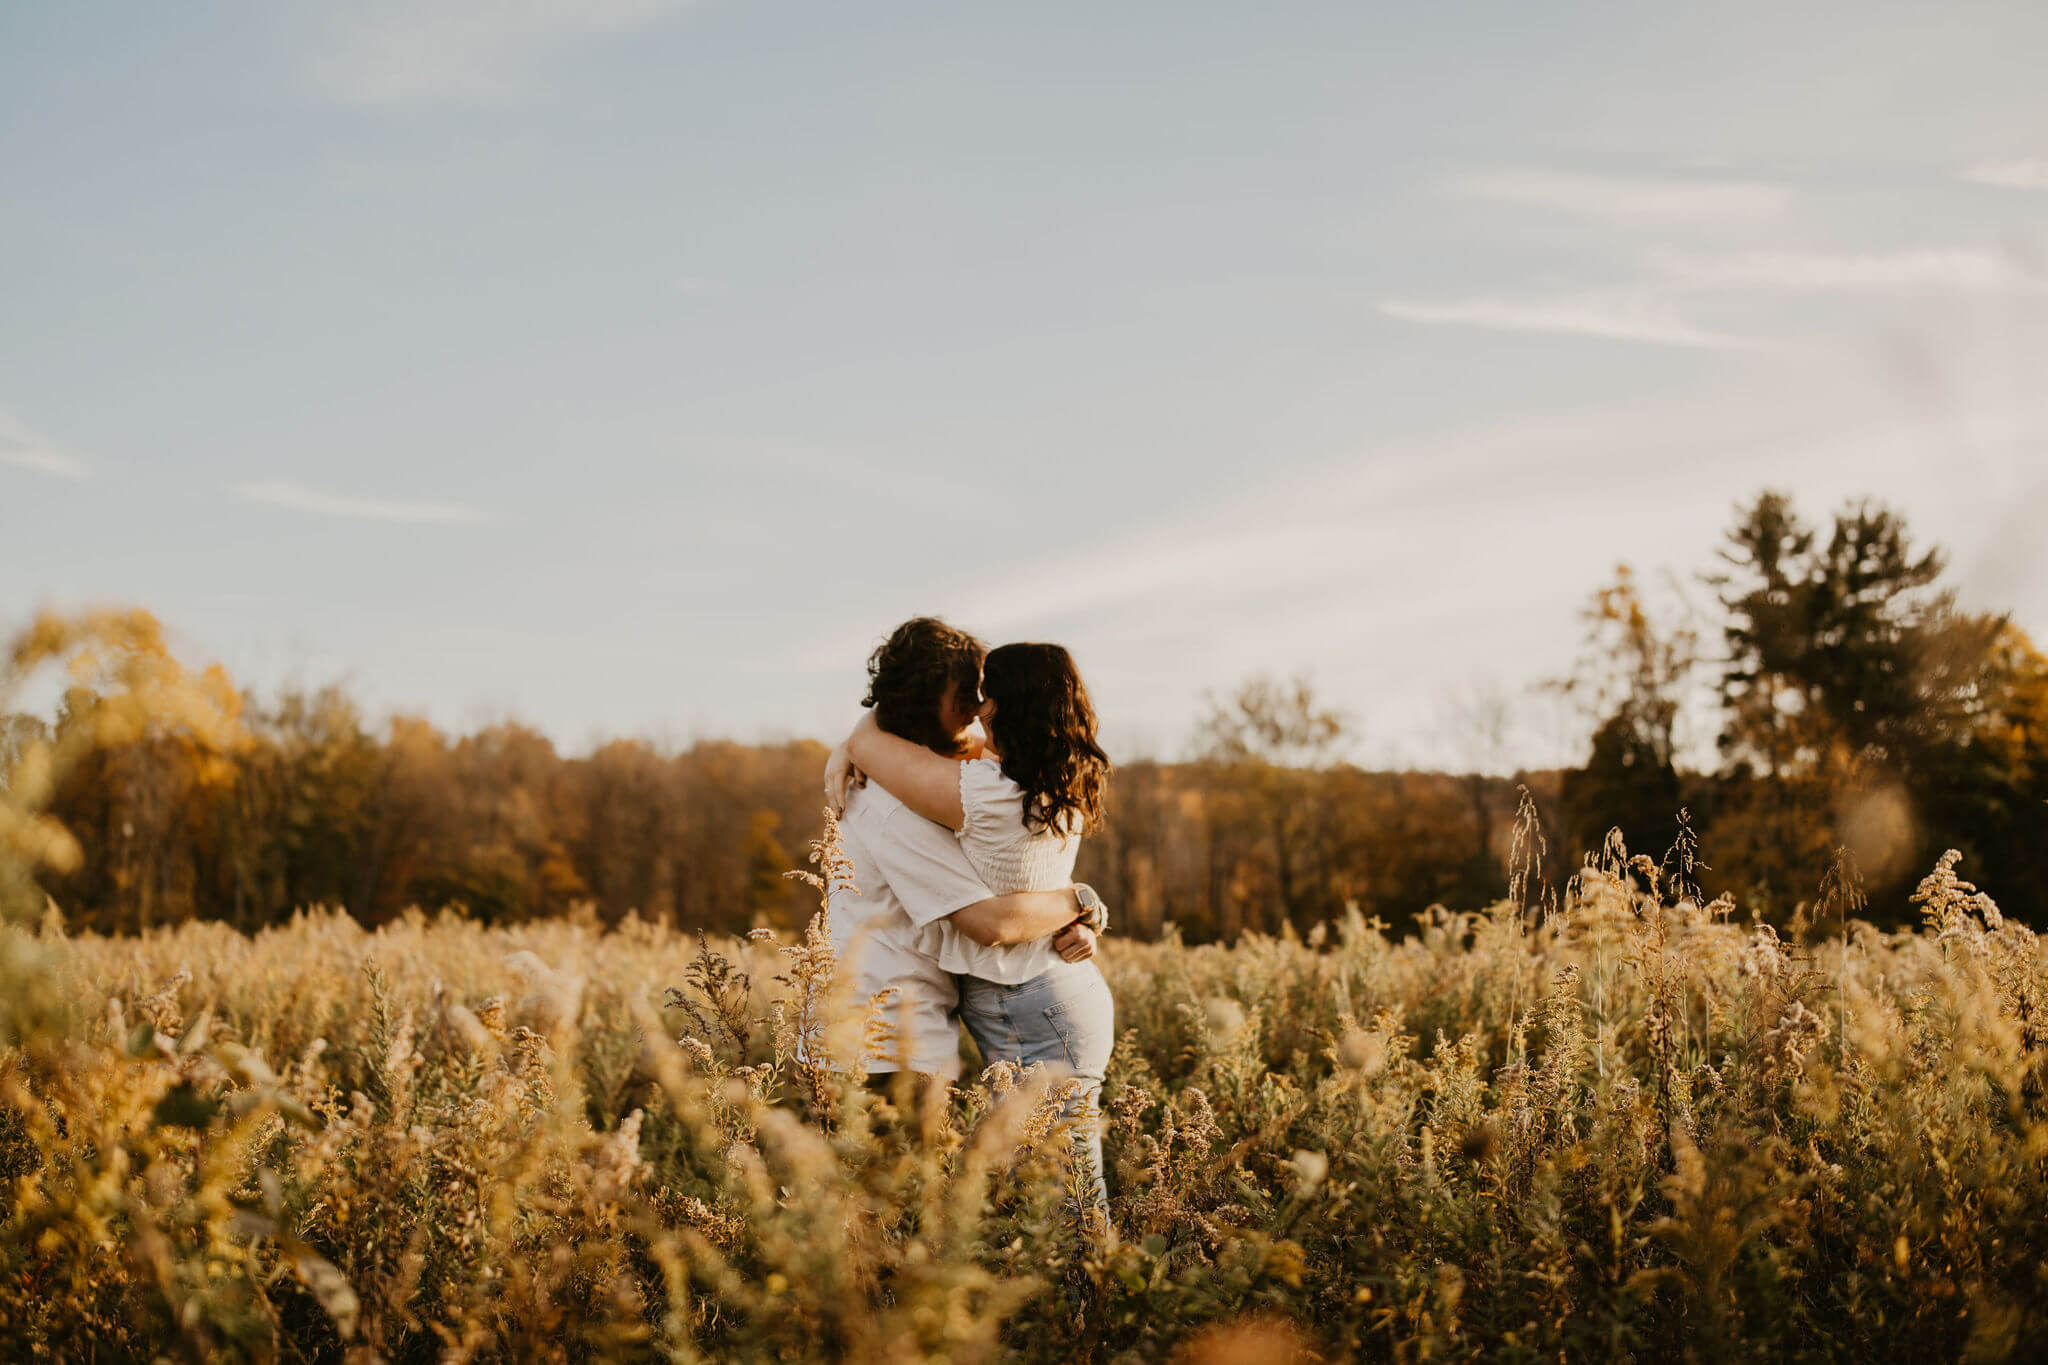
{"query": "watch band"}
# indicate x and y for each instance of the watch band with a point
(1094, 911)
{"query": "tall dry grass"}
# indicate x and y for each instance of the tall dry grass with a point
(1625, 1125)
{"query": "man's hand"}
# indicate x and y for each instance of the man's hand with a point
(1075, 943)
(841, 777)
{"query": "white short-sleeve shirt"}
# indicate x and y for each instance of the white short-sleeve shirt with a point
(909, 874)
(1007, 855)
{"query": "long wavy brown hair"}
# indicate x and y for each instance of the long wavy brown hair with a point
(1044, 728)
(908, 675)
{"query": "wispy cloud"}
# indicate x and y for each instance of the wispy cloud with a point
(46, 462)
(1924, 270)
(1611, 315)
(23, 448)
(1633, 201)
(396, 52)
(1650, 313)
(2009, 175)
(278, 493)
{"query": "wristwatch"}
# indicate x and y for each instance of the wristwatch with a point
(1094, 912)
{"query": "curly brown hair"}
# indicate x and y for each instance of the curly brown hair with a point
(908, 675)
(1044, 728)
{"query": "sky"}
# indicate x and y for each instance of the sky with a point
(630, 367)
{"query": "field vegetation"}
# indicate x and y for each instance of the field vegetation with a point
(1625, 1123)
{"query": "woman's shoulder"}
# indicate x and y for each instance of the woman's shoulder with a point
(983, 767)
(994, 807)
(982, 783)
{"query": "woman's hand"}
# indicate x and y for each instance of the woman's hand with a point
(841, 777)
(1075, 943)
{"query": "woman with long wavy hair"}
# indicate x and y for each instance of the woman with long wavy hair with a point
(1020, 808)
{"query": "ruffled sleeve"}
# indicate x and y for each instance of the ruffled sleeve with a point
(991, 805)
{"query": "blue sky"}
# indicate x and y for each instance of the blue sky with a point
(630, 366)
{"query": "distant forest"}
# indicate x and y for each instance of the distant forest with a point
(1859, 708)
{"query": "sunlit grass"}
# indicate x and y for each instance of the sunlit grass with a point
(1689, 1139)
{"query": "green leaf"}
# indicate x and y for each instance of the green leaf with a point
(1155, 1246)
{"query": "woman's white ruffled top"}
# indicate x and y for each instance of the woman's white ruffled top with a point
(1008, 856)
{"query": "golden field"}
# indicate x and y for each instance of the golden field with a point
(1610, 1123)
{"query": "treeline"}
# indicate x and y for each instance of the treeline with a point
(1221, 847)
(316, 808)
(1861, 720)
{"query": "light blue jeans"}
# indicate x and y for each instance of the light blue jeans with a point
(1065, 1018)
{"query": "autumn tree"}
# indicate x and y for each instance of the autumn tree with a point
(1989, 795)
(125, 692)
(295, 829)
(767, 862)
(1261, 748)
(626, 813)
(1630, 682)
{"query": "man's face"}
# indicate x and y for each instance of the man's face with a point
(957, 712)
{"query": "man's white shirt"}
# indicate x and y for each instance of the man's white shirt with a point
(910, 873)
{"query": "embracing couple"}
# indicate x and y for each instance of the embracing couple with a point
(964, 905)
